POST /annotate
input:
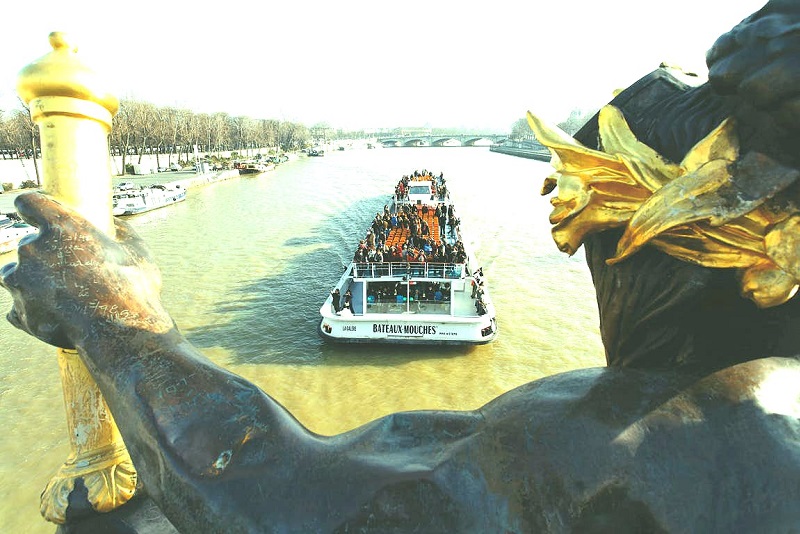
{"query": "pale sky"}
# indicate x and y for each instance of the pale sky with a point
(366, 64)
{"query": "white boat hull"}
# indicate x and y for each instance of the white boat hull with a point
(417, 328)
(144, 200)
(10, 236)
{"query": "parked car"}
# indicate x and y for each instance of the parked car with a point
(175, 167)
(125, 186)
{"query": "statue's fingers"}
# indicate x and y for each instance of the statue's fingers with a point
(44, 212)
(772, 39)
(724, 46)
(47, 331)
(134, 244)
(14, 318)
(6, 272)
(125, 232)
(773, 83)
(36, 208)
(727, 73)
(788, 113)
(8, 281)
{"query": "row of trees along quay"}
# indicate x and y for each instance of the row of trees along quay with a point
(173, 134)
(169, 134)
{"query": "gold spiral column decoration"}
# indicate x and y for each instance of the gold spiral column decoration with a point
(73, 109)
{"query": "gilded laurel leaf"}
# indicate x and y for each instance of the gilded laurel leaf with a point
(716, 208)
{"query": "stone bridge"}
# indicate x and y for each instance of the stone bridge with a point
(442, 140)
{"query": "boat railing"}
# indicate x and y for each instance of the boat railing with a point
(435, 199)
(409, 270)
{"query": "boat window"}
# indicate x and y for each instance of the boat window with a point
(408, 297)
(419, 190)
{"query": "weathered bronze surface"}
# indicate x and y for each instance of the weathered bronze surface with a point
(693, 427)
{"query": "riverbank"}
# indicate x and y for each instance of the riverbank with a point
(540, 154)
(186, 179)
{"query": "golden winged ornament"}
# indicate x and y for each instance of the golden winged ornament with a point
(716, 208)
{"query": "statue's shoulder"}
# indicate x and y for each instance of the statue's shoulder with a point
(667, 110)
(639, 99)
(656, 451)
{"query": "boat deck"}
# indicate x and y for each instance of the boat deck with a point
(398, 236)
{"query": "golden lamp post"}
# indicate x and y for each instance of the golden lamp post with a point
(73, 110)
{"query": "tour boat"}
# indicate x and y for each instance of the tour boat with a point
(252, 167)
(392, 294)
(11, 231)
(131, 201)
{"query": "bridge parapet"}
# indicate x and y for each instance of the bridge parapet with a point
(457, 140)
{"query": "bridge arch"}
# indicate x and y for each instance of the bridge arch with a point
(447, 141)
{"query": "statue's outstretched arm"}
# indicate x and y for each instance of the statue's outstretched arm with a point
(757, 61)
(198, 434)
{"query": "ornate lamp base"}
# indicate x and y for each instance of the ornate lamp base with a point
(107, 474)
(99, 464)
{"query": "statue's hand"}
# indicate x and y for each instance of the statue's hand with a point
(72, 281)
(759, 60)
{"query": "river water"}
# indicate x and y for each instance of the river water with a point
(246, 264)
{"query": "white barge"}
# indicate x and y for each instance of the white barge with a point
(411, 279)
(128, 200)
(253, 167)
(12, 230)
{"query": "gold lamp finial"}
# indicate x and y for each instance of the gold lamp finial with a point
(60, 40)
(74, 109)
(62, 73)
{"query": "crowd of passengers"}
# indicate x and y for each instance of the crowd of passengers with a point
(438, 185)
(420, 244)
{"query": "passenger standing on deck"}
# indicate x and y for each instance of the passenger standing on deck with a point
(337, 300)
(451, 216)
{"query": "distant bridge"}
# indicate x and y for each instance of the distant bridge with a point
(442, 140)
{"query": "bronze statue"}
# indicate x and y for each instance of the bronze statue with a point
(693, 427)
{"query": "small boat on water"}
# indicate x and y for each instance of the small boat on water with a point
(131, 200)
(252, 167)
(412, 280)
(12, 230)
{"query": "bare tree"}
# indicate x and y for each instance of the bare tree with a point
(27, 135)
(577, 118)
(144, 124)
(177, 119)
(293, 136)
(161, 134)
(520, 131)
(193, 131)
(141, 128)
(122, 131)
(220, 131)
(267, 133)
